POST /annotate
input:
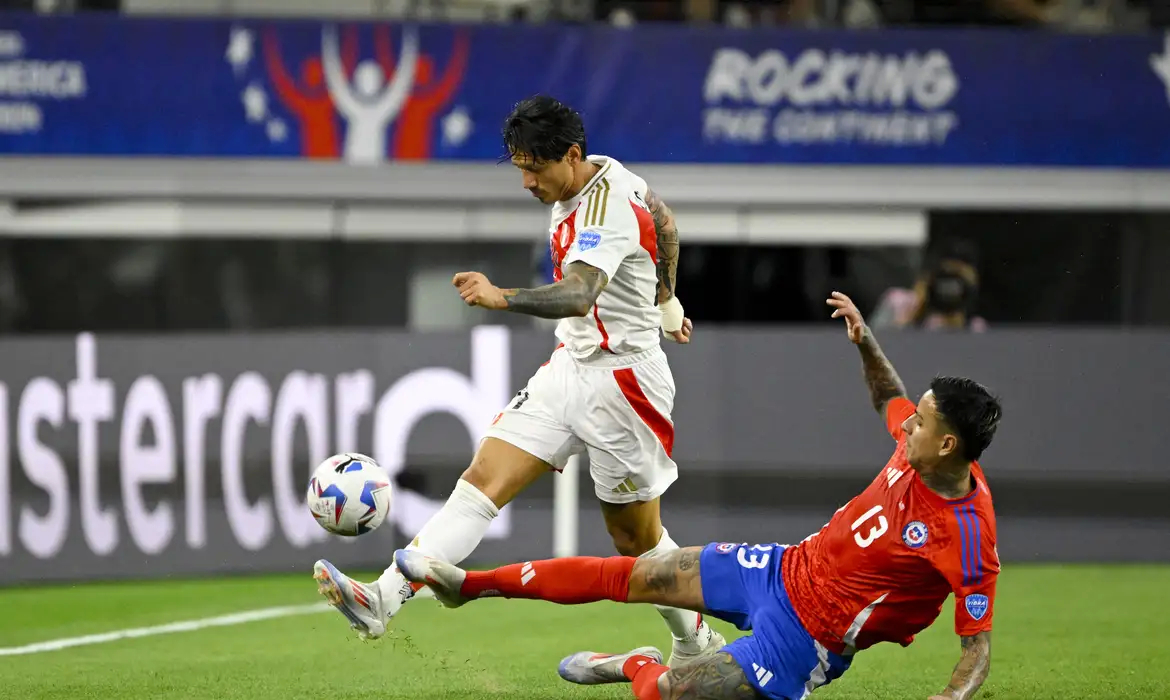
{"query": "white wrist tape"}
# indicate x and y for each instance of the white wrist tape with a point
(672, 315)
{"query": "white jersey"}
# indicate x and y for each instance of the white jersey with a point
(608, 226)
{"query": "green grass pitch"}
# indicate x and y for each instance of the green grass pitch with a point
(1061, 632)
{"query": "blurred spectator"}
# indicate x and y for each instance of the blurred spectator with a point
(743, 13)
(1080, 15)
(734, 12)
(968, 12)
(627, 12)
(61, 6)
(943, 297)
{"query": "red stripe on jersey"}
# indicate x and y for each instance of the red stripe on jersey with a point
(560, 242)
(601, 328)
(662, 428)
(647, 231)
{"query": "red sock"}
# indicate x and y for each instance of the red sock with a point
(568, 581)
(644, 674)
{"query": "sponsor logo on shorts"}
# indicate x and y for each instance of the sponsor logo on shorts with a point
(726, 547)
(915, 534)
(588, 240)
(976, 605)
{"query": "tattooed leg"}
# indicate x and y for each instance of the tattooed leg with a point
(719, 677)
(715, 677)
(674, 579)
(670, 579)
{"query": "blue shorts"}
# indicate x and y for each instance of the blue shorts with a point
(743, 585)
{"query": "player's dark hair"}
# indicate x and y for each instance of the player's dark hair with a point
(969, 408)
(543, 128)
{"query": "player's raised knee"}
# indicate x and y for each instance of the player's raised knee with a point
(501, 470)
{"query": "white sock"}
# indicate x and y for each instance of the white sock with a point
(683, 624)
(452, 534)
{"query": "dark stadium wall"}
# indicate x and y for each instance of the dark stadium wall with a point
(188, 454)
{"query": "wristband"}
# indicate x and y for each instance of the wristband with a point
(672, 315)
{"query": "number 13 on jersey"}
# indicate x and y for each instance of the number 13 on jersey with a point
(877, 528)
(758, 555)
(755, 557)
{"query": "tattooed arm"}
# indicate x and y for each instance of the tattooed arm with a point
(883, 382)
(667, 231)
(881, 378)
(972, 668)
(572, 296)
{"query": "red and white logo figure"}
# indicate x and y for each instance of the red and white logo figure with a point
(342, 105)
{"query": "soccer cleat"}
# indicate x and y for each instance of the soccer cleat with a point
(442, 578)
(360, 603)
(590, 668)
(706, 642)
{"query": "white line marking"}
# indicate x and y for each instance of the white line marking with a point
(171, 628)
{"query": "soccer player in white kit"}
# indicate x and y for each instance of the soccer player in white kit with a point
(607, 390)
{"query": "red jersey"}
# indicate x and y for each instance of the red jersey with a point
(882, 567)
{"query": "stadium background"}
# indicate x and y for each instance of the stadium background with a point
(207, 286)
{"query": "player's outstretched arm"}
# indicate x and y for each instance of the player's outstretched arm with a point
(881, 378)
(574, 295)
(667, 231)
(972, 669)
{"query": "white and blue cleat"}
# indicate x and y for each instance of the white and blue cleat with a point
(360, 603)
(591, 668)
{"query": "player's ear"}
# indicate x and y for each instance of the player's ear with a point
(573, 155)
(949, 446)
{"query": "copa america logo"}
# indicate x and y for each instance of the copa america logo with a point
(726, 547)
(914, 534)
(977, 605)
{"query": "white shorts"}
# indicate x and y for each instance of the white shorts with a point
(615, 408)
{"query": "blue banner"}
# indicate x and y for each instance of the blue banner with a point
(366, 93)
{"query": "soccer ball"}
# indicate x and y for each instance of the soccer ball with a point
(349, 494)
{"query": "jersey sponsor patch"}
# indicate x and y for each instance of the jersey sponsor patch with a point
(976, 605)
(725, 547)
(915, 534)
(588, 240)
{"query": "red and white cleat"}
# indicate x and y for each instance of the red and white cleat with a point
(360, 603)
(591, 668)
